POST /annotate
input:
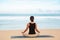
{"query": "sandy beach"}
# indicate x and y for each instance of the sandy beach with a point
(7, 34)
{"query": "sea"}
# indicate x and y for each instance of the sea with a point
(19, 21)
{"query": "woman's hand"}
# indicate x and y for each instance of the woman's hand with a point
(23, 32)
(38, 31)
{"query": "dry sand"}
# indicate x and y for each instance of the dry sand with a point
(6, 35)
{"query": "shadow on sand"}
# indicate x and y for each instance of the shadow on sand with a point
(41, 36)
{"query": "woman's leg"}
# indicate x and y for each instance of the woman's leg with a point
(25, 34)
(31, 35)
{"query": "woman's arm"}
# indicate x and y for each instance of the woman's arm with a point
(26, 28)
(37, 29)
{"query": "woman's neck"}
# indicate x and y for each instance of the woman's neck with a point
(31, 22)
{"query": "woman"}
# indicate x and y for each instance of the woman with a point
(32, 26)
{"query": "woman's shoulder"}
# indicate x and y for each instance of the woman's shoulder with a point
(31, 23)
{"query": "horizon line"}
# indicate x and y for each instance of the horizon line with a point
(29, 14)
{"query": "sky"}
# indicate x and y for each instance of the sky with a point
(29, 6)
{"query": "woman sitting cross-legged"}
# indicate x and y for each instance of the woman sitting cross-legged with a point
(32, 26)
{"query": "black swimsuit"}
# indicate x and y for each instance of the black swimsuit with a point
(32, 28)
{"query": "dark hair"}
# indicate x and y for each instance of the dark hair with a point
(32, 18)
